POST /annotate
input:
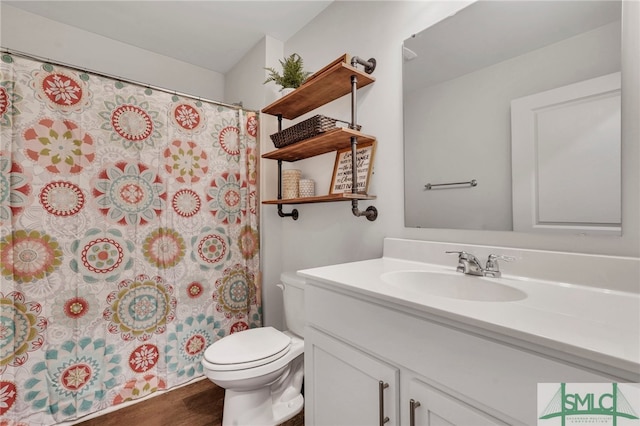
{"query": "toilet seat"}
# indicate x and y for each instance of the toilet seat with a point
(247, 349)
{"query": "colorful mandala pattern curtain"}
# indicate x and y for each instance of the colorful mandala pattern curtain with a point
(128, 238)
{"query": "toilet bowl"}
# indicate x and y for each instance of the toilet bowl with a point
(261, 369)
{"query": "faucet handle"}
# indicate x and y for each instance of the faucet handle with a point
(492, 269)
(461, 254)
(495, 257)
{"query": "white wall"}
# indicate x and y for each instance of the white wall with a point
(29, 33)
(328, 233)
(460, 129)
(245, 83)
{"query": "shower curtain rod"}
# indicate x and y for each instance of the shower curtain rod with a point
(126, 80)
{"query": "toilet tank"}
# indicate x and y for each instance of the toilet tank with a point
(293, 300)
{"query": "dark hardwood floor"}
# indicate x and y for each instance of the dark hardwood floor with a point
(197, 404)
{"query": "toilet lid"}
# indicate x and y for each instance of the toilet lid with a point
(249, 348)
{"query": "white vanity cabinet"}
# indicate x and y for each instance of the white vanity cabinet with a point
(460, 375)
(349, 387)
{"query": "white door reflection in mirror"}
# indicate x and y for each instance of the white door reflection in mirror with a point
(566, 158)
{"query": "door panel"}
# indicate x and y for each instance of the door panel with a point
(439, 409)
(566, 155)
(345, 385)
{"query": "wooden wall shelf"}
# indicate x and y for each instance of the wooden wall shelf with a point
(327, 86)
(322, 199)
(329, 141)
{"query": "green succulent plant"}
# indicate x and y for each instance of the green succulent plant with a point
(293, 73)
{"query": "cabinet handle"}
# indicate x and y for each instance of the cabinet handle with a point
(413, 404)
(381, 387)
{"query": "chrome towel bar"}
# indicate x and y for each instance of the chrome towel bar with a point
(472, 182)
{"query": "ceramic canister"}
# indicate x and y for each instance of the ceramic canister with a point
(307, 188)
(290, 183)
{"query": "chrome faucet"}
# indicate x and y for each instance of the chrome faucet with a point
(470, 265)
(467, 263)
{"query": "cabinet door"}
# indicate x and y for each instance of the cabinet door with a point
(439, 409)
(342, 385)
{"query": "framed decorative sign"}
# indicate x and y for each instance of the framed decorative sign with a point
(341, 181)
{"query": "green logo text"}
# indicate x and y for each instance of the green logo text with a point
(565, 404)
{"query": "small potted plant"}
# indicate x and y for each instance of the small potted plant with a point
(293, 73)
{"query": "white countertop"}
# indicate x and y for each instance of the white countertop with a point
(597, 328)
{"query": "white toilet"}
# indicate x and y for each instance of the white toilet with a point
(261, 369)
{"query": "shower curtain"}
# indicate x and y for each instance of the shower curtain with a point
(128, 238)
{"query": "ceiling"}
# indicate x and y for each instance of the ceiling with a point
(488, 32)
(209, 33)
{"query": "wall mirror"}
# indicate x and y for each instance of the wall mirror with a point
(522, 98)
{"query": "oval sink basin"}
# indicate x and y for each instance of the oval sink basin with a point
(453, 286)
